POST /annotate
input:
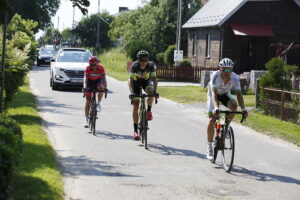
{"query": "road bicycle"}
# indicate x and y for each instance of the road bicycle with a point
(224, 139)
(143, 122)
(93, 111)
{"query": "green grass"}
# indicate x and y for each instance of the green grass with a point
(194, 94)
(38, 176)
(115, 63)
(273, 126)
(183, 94)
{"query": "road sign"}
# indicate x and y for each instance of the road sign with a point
(178, 55)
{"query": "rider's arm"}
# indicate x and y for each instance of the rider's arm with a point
(155, 82)
(131, 84)
(84, 80)
(240, 99)
(215, 97)
(104, 81)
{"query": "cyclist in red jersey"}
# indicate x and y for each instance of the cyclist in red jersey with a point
(94, 78)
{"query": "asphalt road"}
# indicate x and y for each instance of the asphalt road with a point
(112, 165)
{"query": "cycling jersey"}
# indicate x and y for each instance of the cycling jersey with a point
(142, 74)
(94, 75)
(216, 82)
(223, 91)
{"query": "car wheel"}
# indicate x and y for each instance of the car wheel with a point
(53, 85)
(51, 82)
(38, 63)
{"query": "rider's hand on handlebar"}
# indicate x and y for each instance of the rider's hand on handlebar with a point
(83, 89)
(245, 113)
(216, 111)
(131, 96)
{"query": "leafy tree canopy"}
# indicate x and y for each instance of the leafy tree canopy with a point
(86, 30)
(154, 23)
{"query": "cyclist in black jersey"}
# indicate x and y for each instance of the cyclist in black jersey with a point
(142, 75)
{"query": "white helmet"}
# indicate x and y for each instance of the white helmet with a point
(226, 62)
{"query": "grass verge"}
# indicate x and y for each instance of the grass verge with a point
(273, 126)
(115, 63)
(38, 176)
(194, 94)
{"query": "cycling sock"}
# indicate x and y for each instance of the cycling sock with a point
(149, 108)
(135, 126)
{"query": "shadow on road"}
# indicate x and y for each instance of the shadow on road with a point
(165, 150)
(259, 176)
(113, 136)
(81, 165)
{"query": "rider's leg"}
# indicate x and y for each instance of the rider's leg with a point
(135, 117)
(232, 105)
(87, 105)
(100, 88)
(149, 90)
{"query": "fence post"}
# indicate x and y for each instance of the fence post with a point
(282, 114)
(257, 104)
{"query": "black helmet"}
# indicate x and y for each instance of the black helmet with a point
(142, 55)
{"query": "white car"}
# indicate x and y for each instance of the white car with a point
(68, 66)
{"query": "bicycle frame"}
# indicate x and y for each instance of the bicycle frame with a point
(223, 131)
(143, 122)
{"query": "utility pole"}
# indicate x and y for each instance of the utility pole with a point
(178, 33)
(98, 23)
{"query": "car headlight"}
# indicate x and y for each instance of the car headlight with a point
(59, 68)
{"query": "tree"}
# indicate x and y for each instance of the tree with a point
(67, 35)
(154, 23)
(40, 11)
(86, 30)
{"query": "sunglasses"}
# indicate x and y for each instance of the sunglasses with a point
(227, 70)
(94, 64)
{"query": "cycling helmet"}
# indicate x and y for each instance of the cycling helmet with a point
(226, 62)
(93, 60)
(142, 55)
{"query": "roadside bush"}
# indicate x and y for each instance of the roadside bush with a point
(10, 151)
(185, 63)
(160, 58)
(169, 55)
(137, 45)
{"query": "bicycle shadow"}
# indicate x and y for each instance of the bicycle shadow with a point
(260, 176)
(165, 150)
(112, 136)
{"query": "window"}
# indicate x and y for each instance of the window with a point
(208, 45)
(194, 45)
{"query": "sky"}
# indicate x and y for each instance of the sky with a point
(64, 16)
(65, 12)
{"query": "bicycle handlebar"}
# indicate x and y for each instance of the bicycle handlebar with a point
(105, 92)
(156, 95)
(227, 112)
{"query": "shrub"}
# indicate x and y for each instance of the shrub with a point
(160, 58)
(134, 47)
(10, 151)
(185, 63)
(169, 55)
(9, 154)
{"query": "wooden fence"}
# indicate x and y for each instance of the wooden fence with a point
(281, 103)
(189, 74)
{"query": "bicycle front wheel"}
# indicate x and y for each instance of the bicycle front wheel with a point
(228, 150)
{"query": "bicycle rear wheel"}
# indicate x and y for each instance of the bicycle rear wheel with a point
(145, 124)
(93, 117)
(228, 150)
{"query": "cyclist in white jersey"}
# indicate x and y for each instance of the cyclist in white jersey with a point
(221, 82)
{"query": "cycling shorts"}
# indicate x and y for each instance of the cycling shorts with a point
(97, 85)
(223, 98)
(144, 84)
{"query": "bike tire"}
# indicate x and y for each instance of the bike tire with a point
(216, 149)
(145, 131)
(228, 149)
(141, 127)
(94, 117)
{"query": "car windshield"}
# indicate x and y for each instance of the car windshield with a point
(47, 51)
(73, 56)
